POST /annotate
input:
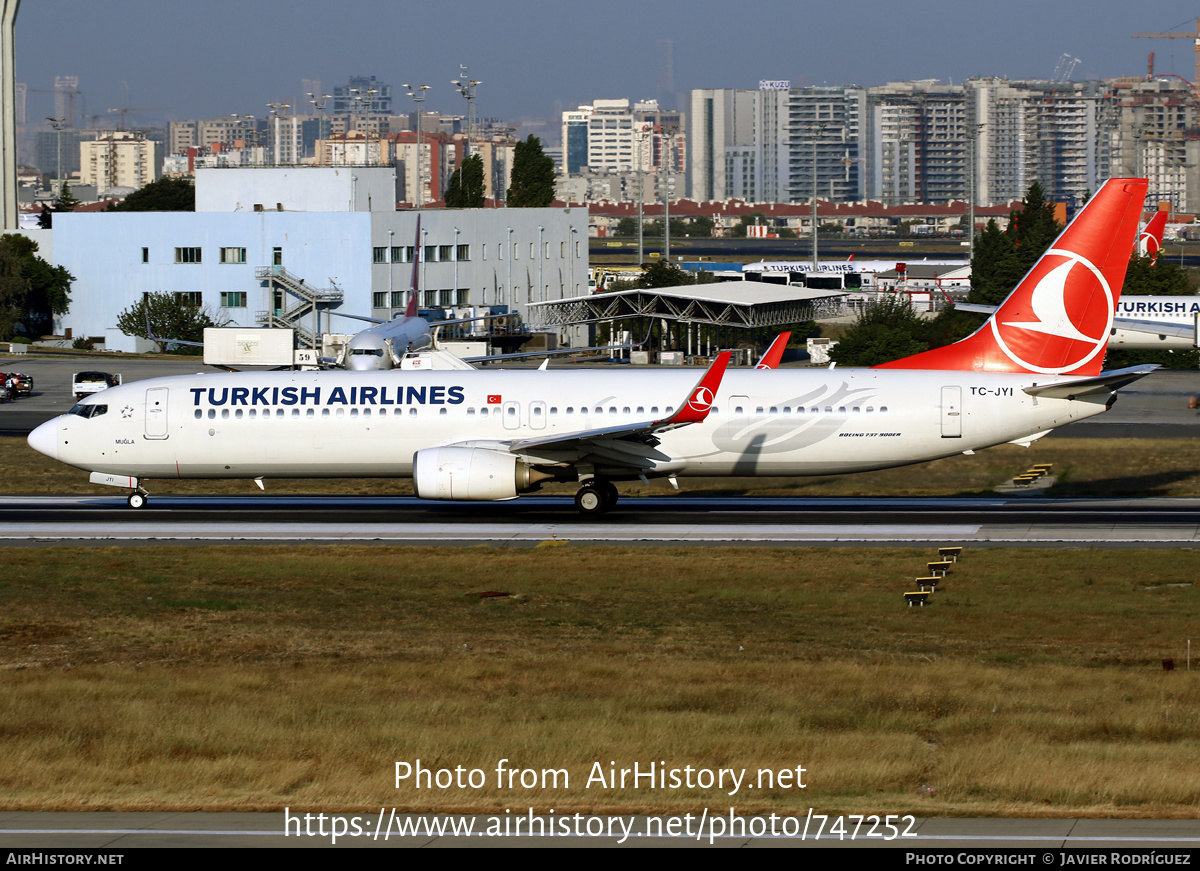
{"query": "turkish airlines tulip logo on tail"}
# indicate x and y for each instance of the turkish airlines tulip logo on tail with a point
(701, 400)
(1148, 245)
(1070, 301)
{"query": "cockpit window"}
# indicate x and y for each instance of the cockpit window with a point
(89, 410)
(366, 352)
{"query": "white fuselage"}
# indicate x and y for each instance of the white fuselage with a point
(370, 424)
(1174, 310)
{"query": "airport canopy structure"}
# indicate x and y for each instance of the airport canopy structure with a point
(744, 304)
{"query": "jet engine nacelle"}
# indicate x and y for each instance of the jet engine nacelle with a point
(470, 475)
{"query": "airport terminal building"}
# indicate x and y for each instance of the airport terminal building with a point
(264, 240)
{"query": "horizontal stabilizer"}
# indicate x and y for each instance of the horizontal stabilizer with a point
(1105, 382)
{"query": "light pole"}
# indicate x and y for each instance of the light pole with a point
(424, 259)
(571, 243)
(319, 103)
(57, 124)
(641, 183)
(466, 86)
(391, 233)
(509, 257)
(276, 109)
(973, 131)
(817, 129)
(537, 297)
(669, 133)
(418, 95)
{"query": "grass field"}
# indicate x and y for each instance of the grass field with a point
(259, 678)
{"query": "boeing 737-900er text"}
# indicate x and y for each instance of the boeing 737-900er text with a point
(490, 435)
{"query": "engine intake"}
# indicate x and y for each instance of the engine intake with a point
(471, 475)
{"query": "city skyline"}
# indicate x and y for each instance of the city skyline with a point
(535, 60)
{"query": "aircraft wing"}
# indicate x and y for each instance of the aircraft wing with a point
(558, 352)
(358, 317)
(1105, 382)
(975, 307)
(631, 444)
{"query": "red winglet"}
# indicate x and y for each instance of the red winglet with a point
(411, 311)
(770, 360)
(702, 396)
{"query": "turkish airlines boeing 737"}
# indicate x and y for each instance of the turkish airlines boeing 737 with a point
(489, 435)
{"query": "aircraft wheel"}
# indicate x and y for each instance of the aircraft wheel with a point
(137, 500)
(590, 501)
(609, 490)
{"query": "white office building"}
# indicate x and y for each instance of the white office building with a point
(265, 243)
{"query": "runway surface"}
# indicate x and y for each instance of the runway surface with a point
(1029, 838)
(679, 519)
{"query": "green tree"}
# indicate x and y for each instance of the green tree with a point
(995, 269)
(701, 226)
(626, 227)
(1002, 259)
(32, 291)
(738, 230)
(465, 188)
(660, 273)
(164, 195)
(170, 317)
(532, 176)
(886, 330)
(1033, 228)
(1147, 277)
(66, 201)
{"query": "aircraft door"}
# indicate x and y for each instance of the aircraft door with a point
(537, 415)
(512, 415)
(156, 413)
(951, 412)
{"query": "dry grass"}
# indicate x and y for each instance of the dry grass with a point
(257, 678)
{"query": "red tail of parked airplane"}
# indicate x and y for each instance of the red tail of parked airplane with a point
(1150, 242)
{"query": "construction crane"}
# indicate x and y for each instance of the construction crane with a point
(1194, 36)
(131, 109)
(70, 94)
(1066, 66)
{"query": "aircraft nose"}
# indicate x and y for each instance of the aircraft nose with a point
(44, 439)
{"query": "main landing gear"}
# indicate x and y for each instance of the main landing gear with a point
(595, 498)
(137, 499)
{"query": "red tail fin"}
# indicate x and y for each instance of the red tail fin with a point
(1058, 319)
(1150, 242)
(411, 311)
(770, 360)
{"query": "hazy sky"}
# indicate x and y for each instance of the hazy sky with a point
(535, 57)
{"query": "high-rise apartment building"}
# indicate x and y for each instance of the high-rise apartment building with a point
(362, 95)
(929, 142)
(120, 159)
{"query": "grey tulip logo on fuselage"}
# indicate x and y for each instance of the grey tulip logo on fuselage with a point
(782, 432)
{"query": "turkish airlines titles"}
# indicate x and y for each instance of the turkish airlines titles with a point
(366, 395)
